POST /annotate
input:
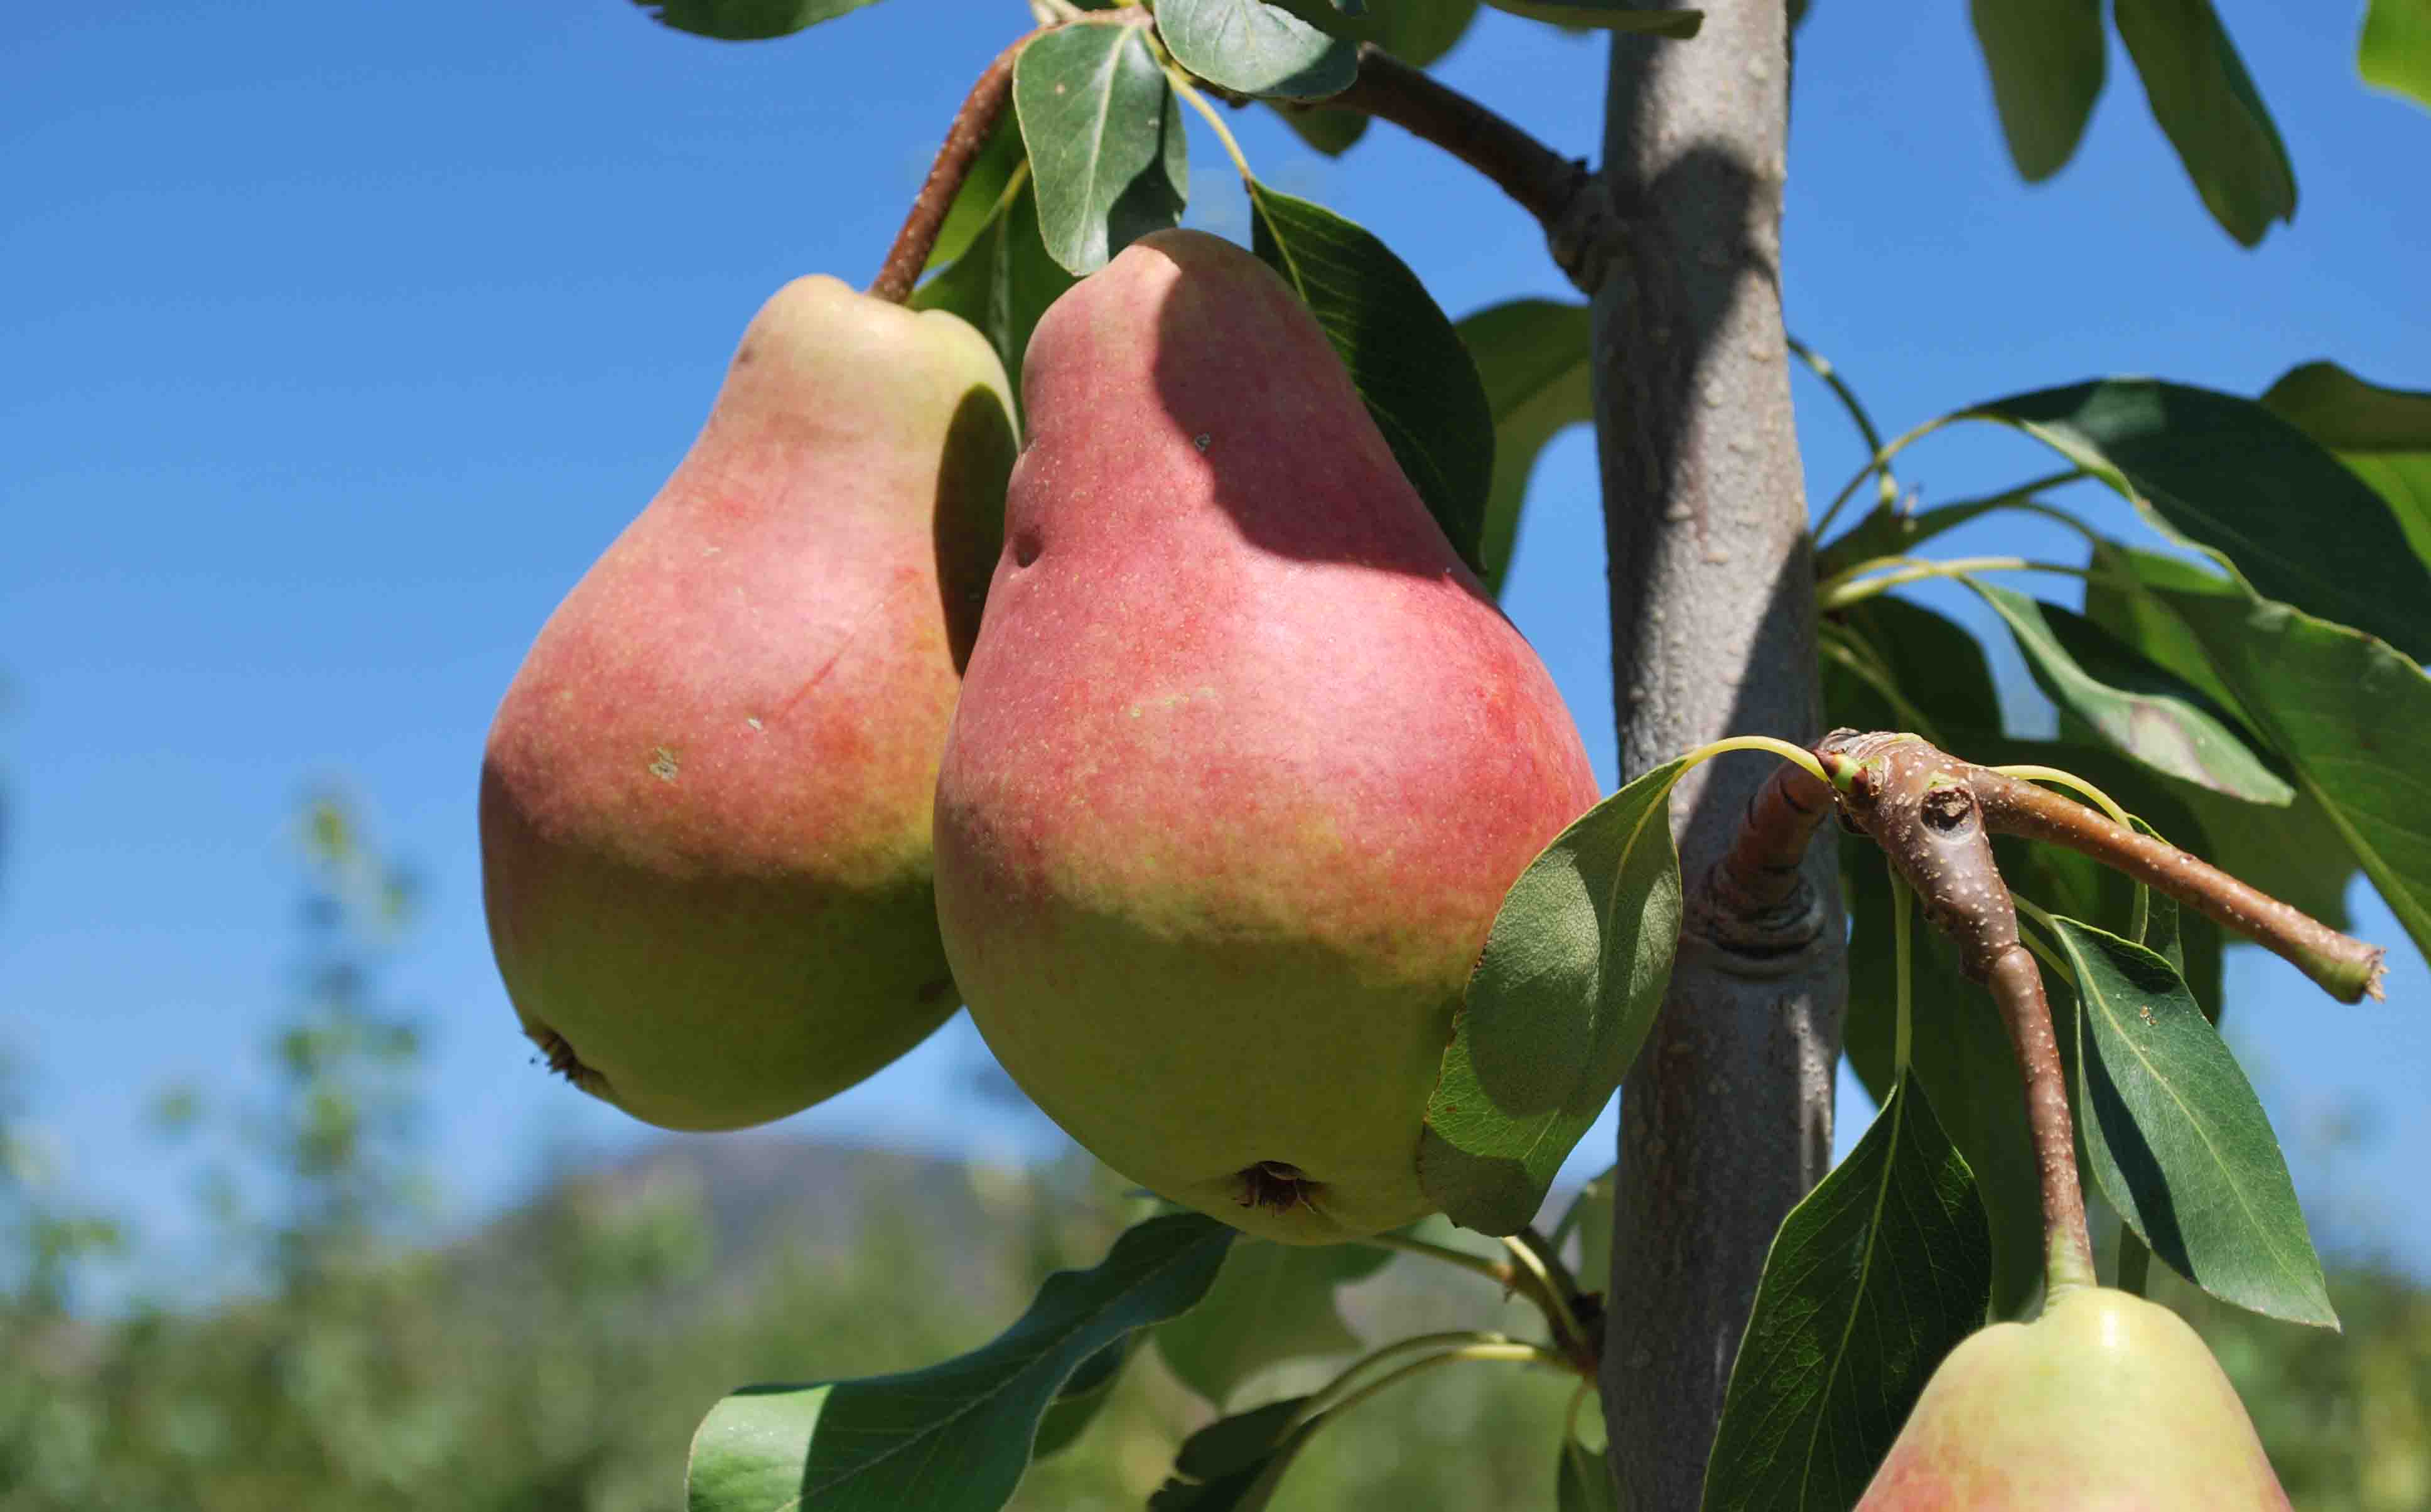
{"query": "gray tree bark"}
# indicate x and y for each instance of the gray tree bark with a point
(1726, 1121)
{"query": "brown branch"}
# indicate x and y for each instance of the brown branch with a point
(2345, 968)
(1543, 181)
(981, 108)
(1921, 807)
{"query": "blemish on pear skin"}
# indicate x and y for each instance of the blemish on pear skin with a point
(663, 764)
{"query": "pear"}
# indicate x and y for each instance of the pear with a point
(1245, 759)
(705, 803)
(2105, 1401)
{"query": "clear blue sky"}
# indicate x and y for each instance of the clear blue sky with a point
(340, 338)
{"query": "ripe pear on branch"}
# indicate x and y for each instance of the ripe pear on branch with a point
(1244, 763)
(2105, 1400)
(705, 803)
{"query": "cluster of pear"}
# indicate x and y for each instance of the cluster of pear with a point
(1204, 803)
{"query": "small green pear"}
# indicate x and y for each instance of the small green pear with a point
(705, 801)
(2107, 1401)
(1245, 759)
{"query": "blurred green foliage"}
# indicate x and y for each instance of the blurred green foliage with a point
(559, 1357)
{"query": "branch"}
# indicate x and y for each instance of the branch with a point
(2345, 968)
(981, 108)
(1543, 182)
(1918, 803)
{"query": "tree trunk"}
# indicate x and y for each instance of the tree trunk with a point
(1726, 1121)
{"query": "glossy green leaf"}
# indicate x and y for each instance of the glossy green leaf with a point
(2046, 57)
(744, 21)
(955, 1436)
(2226, 473)
(1531, 357)
(2176, 1138)
(1415, 31)
(2351, 716)
(1931, 662)
(1253, 48)
(1107, 150)
(1589, 1220)
(2295, 853)
(1872, 1280)
(1889, 530)
(1582, 1482)
(2383, 434)
(2395, 52)
(2137, 705)
(2208, 107)
(1002, 282)
(1406, 360)
(1083, 1398)
(1272, 1303)
(1960, 1054)
(1606, 15)
(1571, 976)
(1233, 1464)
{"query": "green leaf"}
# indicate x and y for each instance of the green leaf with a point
(1889, 530)
(982, 195)
(2383, 434)
(2136, 704)
(1233, 1464)
(2351, 716)
(1271, 1303)
(1589, 1217)
(955, 1436)
(1872, 1280)
(1002, 282)
(1606, 15)
(1415, 31)
(1107, 149)
(1406, 360)
(2225, 472)
(2395, 52)
(746, 21)
(1572, 973)
(1089, 1389)
(2046, 58)
(1932, 661)
(2177, 1140)
(1582, 1482)
(1250, 47)
(1959, 1054)
(2208, 107)
(1532, 358)
(2294, 854)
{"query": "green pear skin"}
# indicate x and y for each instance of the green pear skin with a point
(705, 801)
(1244, 760)
(2105, 1401)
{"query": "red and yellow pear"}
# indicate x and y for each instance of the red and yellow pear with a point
(705, 801)
(1244, 763)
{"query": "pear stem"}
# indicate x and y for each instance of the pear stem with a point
(1918, 805)
(972, 124)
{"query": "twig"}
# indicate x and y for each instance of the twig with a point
(1542, 181)
(981, 108)
(1918, 805)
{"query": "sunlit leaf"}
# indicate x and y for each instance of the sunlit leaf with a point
(1872, 1280)
(1531, 357)
(955, 1436)
(2225, 472)
(2383, 434)
(1107, 150)
(1253, 48)
(2176, 1138)
(2210, 109)
(2395, 52)
(1560, 1000)
(2046, 57)
(1271, 1303)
